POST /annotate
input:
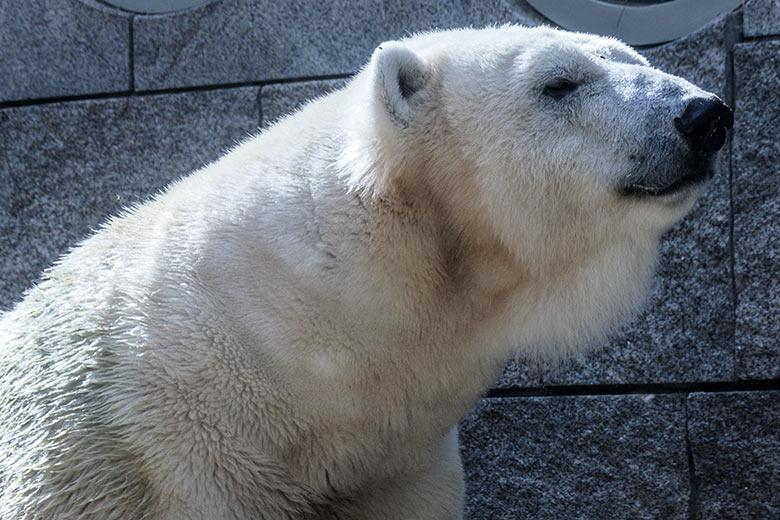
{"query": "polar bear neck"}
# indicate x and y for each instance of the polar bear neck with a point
(449, 276)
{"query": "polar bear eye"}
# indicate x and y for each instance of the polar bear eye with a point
(559, 88)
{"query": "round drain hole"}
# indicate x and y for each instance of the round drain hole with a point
(155, 6)
(638, 22)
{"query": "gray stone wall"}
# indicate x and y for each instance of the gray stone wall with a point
(677, 417)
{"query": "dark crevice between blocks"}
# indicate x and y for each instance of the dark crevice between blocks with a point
(733, 34)
(694, 506)
(259, 107)
(131, 54)
(161, 92)
(765, 38)
(121, 94)
(640, 389)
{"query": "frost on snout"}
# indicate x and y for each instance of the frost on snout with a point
(688, 135)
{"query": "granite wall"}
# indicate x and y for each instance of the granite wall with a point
(677, 417)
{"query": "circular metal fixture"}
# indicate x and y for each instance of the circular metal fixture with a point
(155, 6)
(638, 22)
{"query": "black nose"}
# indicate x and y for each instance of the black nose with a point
(704, 123)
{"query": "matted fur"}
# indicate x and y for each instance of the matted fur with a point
(293, 331)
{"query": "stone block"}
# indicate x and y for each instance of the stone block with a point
(699, 57)
(685, 332)
(283, 98)
(521, 372)
(261, 40)
(53, 48)
(68, 166)
(762, 18)
(757, 209)
(736, 454)
(593, 457)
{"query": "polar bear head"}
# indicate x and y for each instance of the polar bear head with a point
(567, 149)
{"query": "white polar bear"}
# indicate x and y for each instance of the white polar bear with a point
(294, 331)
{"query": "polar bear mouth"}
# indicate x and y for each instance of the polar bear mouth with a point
(686, 181)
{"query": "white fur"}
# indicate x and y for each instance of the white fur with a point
(294, 331)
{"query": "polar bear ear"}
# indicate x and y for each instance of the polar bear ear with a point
(399, 74)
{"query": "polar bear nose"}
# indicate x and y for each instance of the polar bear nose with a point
(704, 123)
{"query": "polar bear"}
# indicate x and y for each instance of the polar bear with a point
(293, 331)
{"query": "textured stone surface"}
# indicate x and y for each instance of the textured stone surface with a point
(762, 17)
(757, 208)
(55, 48)
(281, 99)
(685, 332)
(735, 441)
(521, 372)
(616, 457)
(256, 40)
(68, 166)
(699, 57)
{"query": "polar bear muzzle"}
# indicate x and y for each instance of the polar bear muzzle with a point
(703, 126)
